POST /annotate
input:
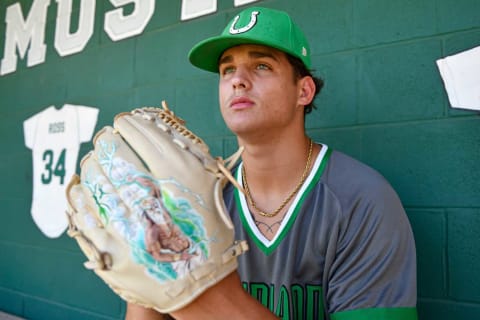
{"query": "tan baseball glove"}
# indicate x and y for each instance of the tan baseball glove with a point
(148, 211)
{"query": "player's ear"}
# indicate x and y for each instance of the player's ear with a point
(306, 87)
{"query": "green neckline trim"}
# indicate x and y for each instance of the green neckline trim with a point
(269, 249)
(377, 314)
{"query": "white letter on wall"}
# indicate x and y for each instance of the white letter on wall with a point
(196, 8)
(242, 2)
(119, 27)
(20, 33)
(69, 43)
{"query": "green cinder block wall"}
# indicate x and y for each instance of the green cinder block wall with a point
(383, 103)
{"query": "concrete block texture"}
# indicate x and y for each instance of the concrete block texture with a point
(383, 103)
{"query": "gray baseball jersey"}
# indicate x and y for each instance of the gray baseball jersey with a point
(344, 250)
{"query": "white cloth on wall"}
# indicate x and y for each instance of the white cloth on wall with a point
(461, 76)
(55, 135)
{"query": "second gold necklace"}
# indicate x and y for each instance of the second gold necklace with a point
(288, 198)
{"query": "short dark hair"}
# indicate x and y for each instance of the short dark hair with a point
(300, 71)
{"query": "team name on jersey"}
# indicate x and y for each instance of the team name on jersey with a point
(294, 302)
(56, 127)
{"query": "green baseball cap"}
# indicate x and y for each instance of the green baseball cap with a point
(255, 25)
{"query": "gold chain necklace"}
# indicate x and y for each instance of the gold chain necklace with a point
(287, 199)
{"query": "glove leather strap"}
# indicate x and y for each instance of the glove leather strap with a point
(238, 248)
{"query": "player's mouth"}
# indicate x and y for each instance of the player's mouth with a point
(239, 103)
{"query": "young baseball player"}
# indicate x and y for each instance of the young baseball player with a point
(328, 236)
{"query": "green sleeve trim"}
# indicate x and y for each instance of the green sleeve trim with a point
(377, 314)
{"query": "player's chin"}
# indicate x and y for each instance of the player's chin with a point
(239, 122)
(241, 128)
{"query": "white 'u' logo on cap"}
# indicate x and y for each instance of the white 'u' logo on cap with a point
(251, 23)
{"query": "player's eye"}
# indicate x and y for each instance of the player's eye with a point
(263, 66)
(227, 70)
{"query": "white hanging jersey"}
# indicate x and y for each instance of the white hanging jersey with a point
(54, 135)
